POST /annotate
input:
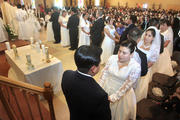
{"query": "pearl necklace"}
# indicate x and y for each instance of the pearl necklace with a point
(145, 47)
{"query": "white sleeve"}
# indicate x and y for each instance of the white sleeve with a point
(60, 19)
(132, 78)
(104, 73)
(154, 55)
(82, 24)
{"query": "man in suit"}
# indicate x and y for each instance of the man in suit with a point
(131, 24)
(85, 98)
(55, 25)
(135, 35)
(97, 29)
(72, 25)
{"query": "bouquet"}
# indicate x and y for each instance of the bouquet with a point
(10, 32)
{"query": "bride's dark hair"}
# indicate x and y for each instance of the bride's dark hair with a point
(129, 44)
(153, 32)
(107, 20)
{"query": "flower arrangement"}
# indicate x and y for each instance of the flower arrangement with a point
(12, 35)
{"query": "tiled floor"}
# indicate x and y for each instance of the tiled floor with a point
(66, 57)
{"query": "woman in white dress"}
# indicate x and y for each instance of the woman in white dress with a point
(108, 44)
(118, 79)
(63, 19)
(3, 33)
(167, 32)
(150, 45)
(23, 28)
(34, 25)
(84, 38)
(50, 34)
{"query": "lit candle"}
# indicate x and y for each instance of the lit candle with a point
(7, 46)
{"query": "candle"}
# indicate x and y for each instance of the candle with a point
(15, 50)
(40, 42)
(47, 55)
(37, 47)
(31, 40)
(7, 46)
(43, 49)
(28, 58)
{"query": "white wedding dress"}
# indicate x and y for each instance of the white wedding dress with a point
(108, 45)
(49, 32)
(84, 39)
(119, 83)
(3, 33)
(23, 28)
(65, 41)
(143, 83)
(168, 35)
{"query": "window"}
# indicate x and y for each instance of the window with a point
(58, 3)
(97, 2)
(22, 2)
(80, 3)
(145, 5)
(33, 4)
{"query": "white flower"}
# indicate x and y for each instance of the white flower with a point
(157, 92)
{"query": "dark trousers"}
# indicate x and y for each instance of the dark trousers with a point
(97, 40)
(116, 49)
(56, 30)
(73, 34)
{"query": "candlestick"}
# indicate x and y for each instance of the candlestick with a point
(30, 65)
(47, 55)
(7, 45)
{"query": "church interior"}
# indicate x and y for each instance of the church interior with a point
(138, 69)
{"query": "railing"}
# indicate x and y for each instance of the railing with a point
(11, 90)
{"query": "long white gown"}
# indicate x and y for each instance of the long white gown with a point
(119, 83)
(33, 25)
(168, 35)
(65, 41)
(143, 83)
(49, 32)
(163, 64)
(108, 45)
(23, 29)
(84, 39)
(3, 33)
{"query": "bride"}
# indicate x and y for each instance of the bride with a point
(118, 79)
(150, 45)
(108, 44)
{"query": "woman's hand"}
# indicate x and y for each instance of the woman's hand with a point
(109, 98)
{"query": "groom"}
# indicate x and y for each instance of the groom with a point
(85, 98)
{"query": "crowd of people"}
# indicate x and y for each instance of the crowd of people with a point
(132, 43)
(135, 44)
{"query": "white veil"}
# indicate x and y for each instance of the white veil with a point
(156, 42)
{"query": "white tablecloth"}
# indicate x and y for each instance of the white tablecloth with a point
(50, 72)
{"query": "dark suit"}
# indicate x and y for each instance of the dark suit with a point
(56, 27)
(144, 65)
(123, 37)
(72, 25)
(97, 32)
(162, 44)
(85, 98)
